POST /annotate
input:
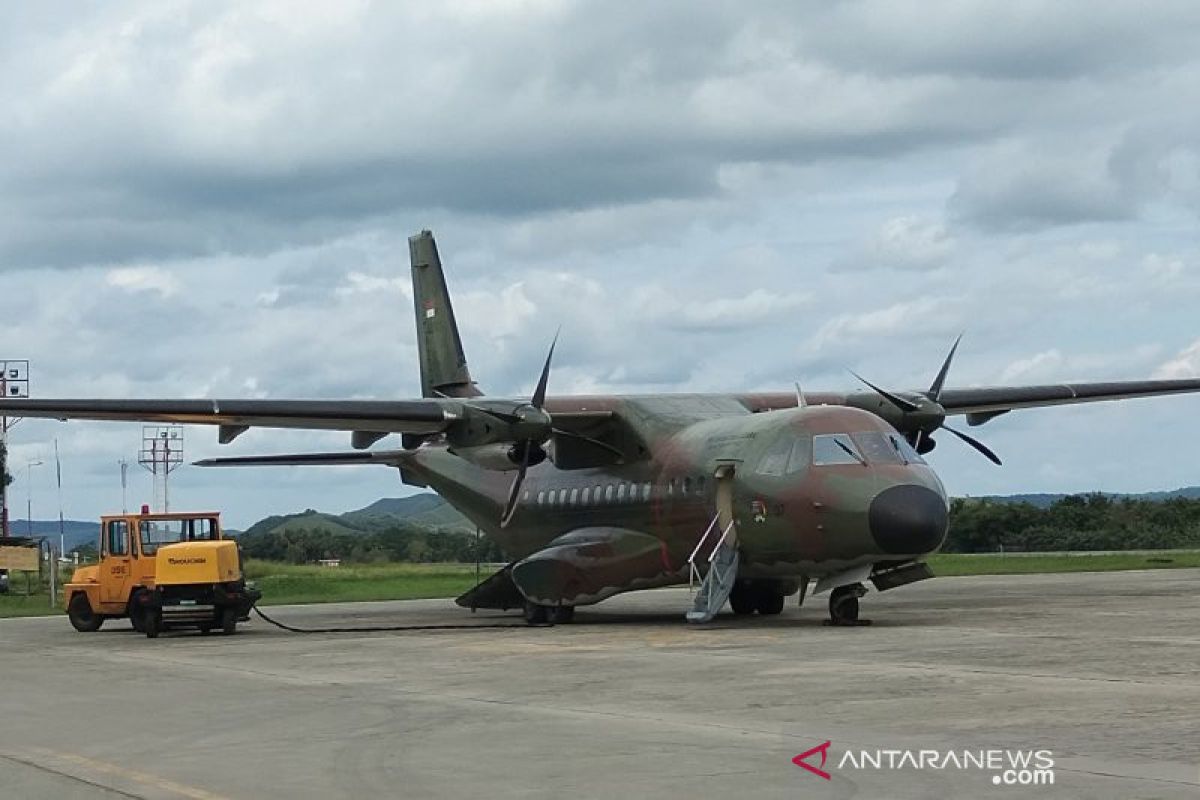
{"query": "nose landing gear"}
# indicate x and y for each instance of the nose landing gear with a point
(843, 605)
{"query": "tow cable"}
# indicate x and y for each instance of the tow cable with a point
(383, 628)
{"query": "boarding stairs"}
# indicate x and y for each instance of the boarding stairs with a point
(721, 560)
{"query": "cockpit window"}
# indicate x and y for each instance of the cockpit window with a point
(878, 448)
(868, 447)
(905, 449)
(800, 456)
(835, 448)
(775, 460)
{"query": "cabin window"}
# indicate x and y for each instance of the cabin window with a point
(608, 493)
(687, 486)
(646, 492)
(587, 496)
(670, 488)
(562, 498)
(574, 497)
(700, 485)
(541, 498)
(621, 493)
(118, 538)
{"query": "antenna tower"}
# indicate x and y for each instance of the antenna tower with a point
(161, 454)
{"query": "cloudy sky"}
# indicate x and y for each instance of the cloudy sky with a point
(209, 199)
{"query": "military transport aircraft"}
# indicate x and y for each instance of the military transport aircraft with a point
(756, 495)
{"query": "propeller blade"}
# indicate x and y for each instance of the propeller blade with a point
(591, 441)
(935, 389)
(539, 394)
(800, 401)
(898, 402)
(978, 445)
(514, 492)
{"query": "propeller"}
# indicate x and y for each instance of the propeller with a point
(533, 426)
(529, 445)
(927, 414)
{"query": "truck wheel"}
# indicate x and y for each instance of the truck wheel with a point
(83, 619)
(151, 623)
(136, 618)
(229, 621)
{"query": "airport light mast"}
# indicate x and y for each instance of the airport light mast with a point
(161, 454)
(14, 382)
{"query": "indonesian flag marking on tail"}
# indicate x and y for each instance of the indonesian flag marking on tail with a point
(430, 312)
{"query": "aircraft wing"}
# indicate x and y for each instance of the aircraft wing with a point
(987, 402)
(368, 420)
(351, 458)
(403, 416)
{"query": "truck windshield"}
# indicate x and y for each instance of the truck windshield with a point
(157, 532)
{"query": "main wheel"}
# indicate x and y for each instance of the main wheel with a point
(82, 617)
(741, 599)
(560, 615)
(768, 602)
(535, 614)
(229, 621)
(843, 605)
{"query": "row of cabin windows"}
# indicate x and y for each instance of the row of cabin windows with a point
(614, 493)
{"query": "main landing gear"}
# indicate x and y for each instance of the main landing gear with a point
(536, 614)
(843, 605)
(763, 596)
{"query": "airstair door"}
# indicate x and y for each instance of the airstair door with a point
(717, 552)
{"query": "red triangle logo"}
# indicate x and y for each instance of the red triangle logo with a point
(823, 749)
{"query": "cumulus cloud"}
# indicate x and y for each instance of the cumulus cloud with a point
(706, 197)
(143, 279)
(1186, 364)
(907, 242)
(1033, 185)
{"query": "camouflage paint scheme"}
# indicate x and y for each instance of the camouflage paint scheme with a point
(647, 465)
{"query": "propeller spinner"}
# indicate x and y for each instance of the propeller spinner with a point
(925, 414)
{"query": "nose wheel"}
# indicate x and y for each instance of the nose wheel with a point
(843, 605)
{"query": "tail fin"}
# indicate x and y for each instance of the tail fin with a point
(444, 370)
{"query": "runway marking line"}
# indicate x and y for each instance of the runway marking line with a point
(137, 776)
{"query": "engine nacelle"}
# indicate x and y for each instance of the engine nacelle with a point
(501, 424)
(499, 457)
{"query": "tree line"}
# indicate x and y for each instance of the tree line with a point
(1075, 522)
(397, 542)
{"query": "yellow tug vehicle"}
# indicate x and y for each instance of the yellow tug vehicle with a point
(162, 571)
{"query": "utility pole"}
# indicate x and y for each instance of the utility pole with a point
(14, 382)
(29, 465)
(62, 535)
(161, 454)
(124, 486)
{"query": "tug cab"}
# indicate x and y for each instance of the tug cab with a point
(161, 570)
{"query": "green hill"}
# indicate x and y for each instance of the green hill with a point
(424, 510)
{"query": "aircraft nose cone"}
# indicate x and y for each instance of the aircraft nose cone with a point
(908, 519)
